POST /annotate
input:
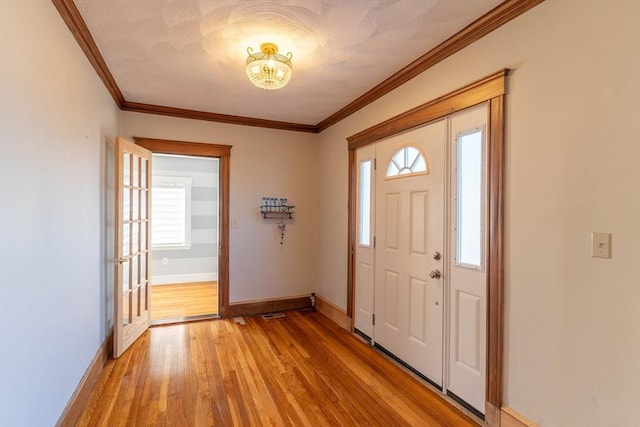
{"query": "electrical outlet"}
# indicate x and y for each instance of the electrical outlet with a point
(165, 261)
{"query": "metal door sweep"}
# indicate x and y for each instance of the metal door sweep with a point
(273, 315)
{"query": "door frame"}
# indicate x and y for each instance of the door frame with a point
(222, 152)
(490, 89)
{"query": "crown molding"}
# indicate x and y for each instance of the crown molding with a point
(71, 16)
(492, 20)
(215, 117)
(479, 28)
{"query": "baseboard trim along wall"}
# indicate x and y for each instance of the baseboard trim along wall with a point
(79, 398)
(333, 312)
(510, 418)
(250, 308)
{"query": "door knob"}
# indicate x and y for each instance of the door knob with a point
(435, 274)
(437, 256)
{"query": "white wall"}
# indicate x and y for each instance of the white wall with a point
(572, 355)
(263, 163)
(55, 119)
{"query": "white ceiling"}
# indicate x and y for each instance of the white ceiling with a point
(191, 53)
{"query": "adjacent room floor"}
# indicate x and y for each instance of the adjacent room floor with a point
(299, 370)
(184, 300)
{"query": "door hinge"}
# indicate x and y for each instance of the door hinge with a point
(375, 164)
(374, 242)
(373, 319)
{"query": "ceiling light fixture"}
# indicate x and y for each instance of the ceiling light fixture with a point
(268, 69)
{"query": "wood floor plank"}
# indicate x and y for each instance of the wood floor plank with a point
(300, 370)
(181, 300)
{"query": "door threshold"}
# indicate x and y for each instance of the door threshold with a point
(160, 322)
(474, 414)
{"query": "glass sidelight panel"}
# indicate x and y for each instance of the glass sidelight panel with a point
(126, 162)
(135, 204)
(135, 169)
(135, 272)
(143, 267)
(126, 294)
(135, 297)
(126, 204)
(126, 236)
(126, 311)
(143, 236)
(135, 237)
(143, 204)
(364, 199)
(143, 173)
(470, 184)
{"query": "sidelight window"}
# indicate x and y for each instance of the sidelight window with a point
(470, 184)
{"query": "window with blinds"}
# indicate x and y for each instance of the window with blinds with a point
(171, 212)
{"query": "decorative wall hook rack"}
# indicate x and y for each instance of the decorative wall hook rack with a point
(275, 208)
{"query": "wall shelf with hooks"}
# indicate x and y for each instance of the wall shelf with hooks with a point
(280, 212)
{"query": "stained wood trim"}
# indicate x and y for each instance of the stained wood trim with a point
(333, 312)
(351, 236)
(494, 88)
(482, 26)
(168, 146)
(473, 94)
(223, 152)
(250, 308)
(71, 16)
(215, 117)
(495, 271)
(79, 398)
(510, 418)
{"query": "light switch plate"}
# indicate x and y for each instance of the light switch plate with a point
(601, 245)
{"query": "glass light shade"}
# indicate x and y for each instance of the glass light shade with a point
(268, 69)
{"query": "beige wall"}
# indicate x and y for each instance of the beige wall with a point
(263, 163)
(572, 355)
(55, 300)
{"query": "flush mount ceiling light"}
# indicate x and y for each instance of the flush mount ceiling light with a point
(268, 69)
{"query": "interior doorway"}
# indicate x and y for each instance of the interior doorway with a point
(221, 153)
(184, 237)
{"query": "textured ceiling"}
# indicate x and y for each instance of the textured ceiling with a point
(191, 53)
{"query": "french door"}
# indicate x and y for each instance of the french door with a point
(132, 246)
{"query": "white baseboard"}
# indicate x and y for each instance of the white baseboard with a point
(183, 278)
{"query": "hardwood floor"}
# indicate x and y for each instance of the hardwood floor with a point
(184, 300)
(301, 370)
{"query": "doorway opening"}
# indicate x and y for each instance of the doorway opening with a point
(184, 237)
(222, 155)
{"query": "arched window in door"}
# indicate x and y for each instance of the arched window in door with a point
(407, 161)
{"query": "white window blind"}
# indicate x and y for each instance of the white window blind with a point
(171, 212)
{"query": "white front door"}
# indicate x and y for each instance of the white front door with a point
(409, 224)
